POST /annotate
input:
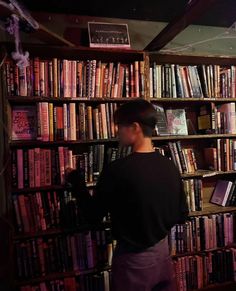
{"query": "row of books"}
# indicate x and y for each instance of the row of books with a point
(224, 193)
(74, 78)
(219, 119)
(37, 167)
(73, 252)
(194, 192)
(100, 281)
(49, 122)
(175, 81)
(222, 156)
(71, 121)
(184, 158)
(67, 284)
(203, 233)
(196, 272)
(45, 210)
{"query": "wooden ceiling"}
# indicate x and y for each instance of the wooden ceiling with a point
(223, 13)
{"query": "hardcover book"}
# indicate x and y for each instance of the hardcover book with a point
(221, 192)
(161, 127)
(24, 125)
(176, 120)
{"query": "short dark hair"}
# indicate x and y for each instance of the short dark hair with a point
(140, 111)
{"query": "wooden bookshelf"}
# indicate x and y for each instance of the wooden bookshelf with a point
(209, 177)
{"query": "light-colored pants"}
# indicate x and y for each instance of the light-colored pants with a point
(150, 270)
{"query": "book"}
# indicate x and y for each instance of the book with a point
(221, 192)
(24, 126)
(161, 126)
(176, 120)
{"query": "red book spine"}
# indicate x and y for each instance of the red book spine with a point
(42, 167)
(62, 164)
(45, 121)
(36, 76)
(20, 175)
(23, 213)
(48, 172)
(40, 244)
(46, 78)
(41, 211)
(31, 168)
(70, 284)
(37, 166)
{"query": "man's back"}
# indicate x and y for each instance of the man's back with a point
(147, 198)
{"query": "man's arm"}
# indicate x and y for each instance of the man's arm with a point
(95, 207)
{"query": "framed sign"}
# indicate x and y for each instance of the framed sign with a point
(109, 35)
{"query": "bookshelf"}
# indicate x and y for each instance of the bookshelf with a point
(198, 140)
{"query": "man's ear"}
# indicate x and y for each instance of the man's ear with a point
(137, 127)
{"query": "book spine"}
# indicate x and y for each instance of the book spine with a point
(20, 176)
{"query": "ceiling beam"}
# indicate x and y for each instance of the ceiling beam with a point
(193, 10)
(42, 33)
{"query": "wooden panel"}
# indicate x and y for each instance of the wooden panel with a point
(80, 53)
(191, 60)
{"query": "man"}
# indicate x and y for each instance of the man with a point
(144, 195)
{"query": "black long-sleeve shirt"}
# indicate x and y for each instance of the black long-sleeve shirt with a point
(144, 195)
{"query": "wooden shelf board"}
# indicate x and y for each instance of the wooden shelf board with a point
(95, 141)
(47, 188)
(56, 231)
(190, 99)
(33, 143)
(206, 174)
(35, 99)
(209, 208)
(79, 52)
(196, 136)
(203, 251)
(61, 275)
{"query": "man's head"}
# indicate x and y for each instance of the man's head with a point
(135, 120)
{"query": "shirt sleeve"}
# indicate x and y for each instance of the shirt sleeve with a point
(95, 207)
